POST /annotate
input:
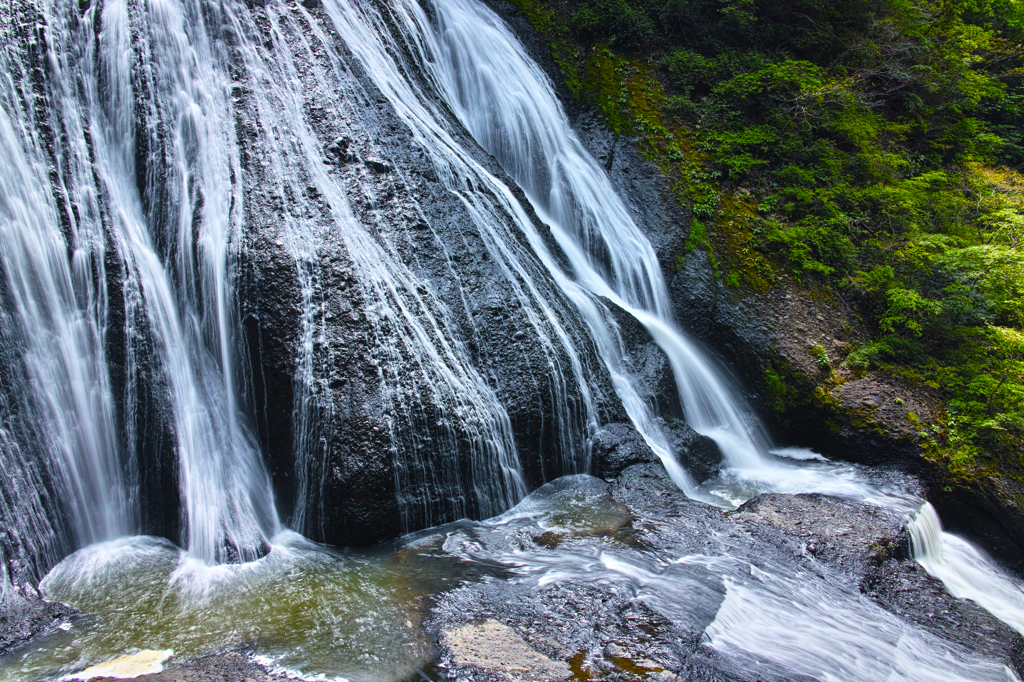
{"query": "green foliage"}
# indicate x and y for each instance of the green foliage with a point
(868, 148)
(622, 22)
(821, 355)
(906, 312)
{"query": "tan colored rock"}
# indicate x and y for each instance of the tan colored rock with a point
(498, 649)
(145, 662)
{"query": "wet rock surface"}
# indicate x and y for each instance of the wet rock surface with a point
(616, 447)
(24, 615)
(851, 535)
(906, 589)
(638, 591)
(631, 580)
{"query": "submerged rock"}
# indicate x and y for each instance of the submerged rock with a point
(141, 664)
(226, 667)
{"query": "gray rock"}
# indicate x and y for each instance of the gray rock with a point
(24, 614)
(498, 650)
(617, 446)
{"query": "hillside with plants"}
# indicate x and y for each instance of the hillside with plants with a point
(866, 150)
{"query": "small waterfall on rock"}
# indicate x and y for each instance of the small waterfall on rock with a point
(438, 396)
(508, 104)
(965, 570)
(497, 216)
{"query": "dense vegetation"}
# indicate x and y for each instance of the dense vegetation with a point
(869, 148)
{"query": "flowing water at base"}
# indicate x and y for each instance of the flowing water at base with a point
(303, 608)
(322, 614)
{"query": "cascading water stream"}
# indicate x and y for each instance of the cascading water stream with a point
(964, 569)
(422, 357)
(508, 104)
(175, 240)
(363, 30)
(53, 311)
(497, 216)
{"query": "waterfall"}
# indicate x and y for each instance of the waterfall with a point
(152, 147)
(503, 98)
(498, 217)
(175, 238)
(128, 196)
(57, 406)
(172, 225)
(964, 569)
(437, 397)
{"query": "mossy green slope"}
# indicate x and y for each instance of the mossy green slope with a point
(865, 150)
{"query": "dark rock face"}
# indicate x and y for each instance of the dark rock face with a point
(698, 454)
(360, 443)
(617, 446)
(24, 614)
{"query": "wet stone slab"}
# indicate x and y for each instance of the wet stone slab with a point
(678, 589)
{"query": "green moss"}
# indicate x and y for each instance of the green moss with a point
(782, 395)
(735, 228)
